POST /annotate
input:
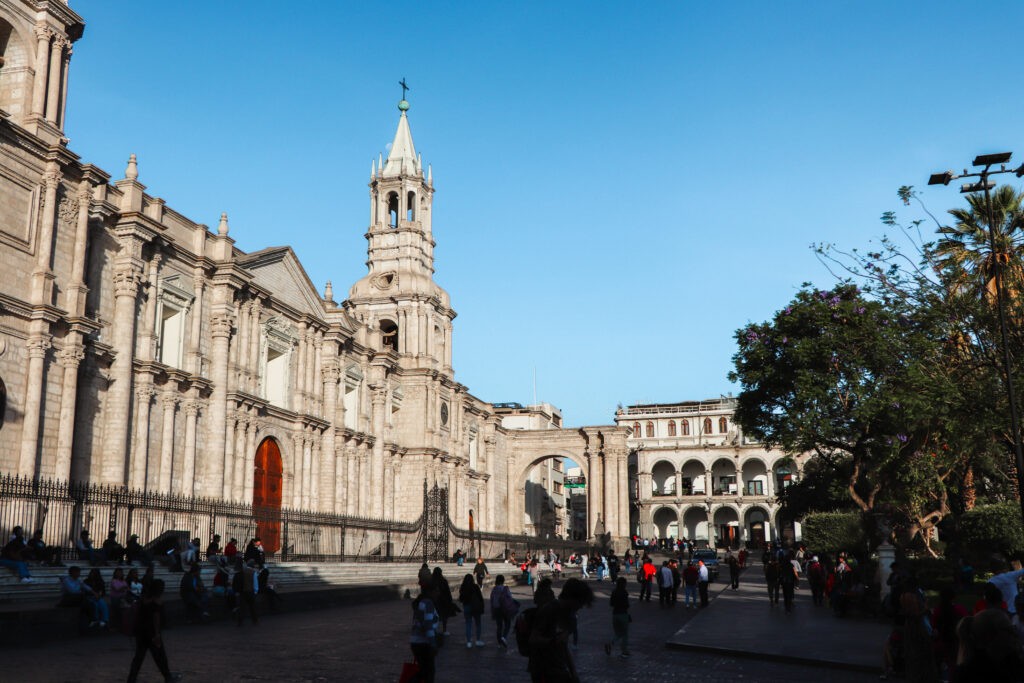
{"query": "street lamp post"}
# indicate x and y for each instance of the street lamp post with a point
(987, 161)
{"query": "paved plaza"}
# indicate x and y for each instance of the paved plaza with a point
(369, 643)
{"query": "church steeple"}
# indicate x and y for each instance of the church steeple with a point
(398, 299)
(400, 197)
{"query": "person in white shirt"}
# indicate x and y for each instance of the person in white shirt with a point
(1006, 581)
(702, 583)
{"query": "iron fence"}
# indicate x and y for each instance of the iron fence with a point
(62, 509)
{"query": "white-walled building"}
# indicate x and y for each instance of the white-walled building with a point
(694, 475)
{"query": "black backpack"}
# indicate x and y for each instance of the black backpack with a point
(524, 629)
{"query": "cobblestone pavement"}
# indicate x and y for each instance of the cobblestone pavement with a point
(369, 643)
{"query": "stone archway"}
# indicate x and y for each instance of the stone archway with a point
(600, 453)
(267, 489)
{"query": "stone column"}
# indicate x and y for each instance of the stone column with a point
(71, 357)
(679, 483)
(195, 333)
(596, 488)
(169, 402)
(233, 477)
(365, 508)
(611, 494)
(76, 292)
(340, 481)
(53, 81)
(330, 375)
(299, 402)
(62, 105)
(251, 441)
(307, 469)
(314, 477)
(37, 345)
(624, 523)
(351, 480)
(230, 425)
(254, 347)
(297, 469)
(186, 486)
(379, 397)
(43, 36)
(140, 453)
(709, 485)
(310, 380)
(389, 491)
(208, 467)
(147, 338)
(242, 347)
(127, 275)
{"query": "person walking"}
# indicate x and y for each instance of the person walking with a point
(771, 577)
(816, 579)
(620, 619)
(787, 581)
(550, 658)
(442, 596)
(734, 569)
(149, 628)
(480, 571)
(425, 633)
(647, 571)
(665, 585)
(503, 609)
(247, 587)
(472, 608)
(690, 578)
(702, 583)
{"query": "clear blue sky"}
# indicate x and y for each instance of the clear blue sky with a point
(620, 186)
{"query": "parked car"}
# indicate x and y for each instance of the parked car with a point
(710, 559)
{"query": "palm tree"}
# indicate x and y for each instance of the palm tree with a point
(965, 252)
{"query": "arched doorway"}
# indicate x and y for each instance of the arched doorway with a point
(268, 484)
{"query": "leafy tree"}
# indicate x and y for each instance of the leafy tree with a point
(859, 382)
(992, 529)
(831, 532)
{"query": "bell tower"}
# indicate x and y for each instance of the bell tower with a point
(406, 311)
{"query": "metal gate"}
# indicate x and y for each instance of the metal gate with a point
(435, 523)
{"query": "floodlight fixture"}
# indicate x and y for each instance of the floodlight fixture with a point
(942, 178)
(977, 187)
(1019, 172)
(992, 159)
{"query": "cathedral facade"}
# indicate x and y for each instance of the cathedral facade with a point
(141, 349)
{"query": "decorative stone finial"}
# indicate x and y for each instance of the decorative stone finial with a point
(328, 292)
(373, 169)
(430, 175)
(222, 228)
(380, 162)
(132, 172)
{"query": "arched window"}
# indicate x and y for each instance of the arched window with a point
(671, 427)
(684, 427)
(15, 62)
(723, 425)
(636, 429)
(389, 335)
(393, 210)
(410, 207)
(707, 425)
(650, 429)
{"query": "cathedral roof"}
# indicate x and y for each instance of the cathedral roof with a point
(402, 157)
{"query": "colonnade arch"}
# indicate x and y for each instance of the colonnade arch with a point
(601, 454)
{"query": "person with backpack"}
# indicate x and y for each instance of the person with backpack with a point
(816, 578)
(646, 573)
(472, 600)
(549, 633)
(503, 609)
(771, 577)
(425, 636)
(620, 619)
(690, 578)
(149, 627)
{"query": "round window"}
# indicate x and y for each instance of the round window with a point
(444, 414)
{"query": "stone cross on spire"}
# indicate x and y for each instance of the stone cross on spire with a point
(404, 86)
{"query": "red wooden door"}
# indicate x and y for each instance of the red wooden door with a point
(266, 494)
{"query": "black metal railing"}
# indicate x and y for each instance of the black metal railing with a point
(62, 509)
